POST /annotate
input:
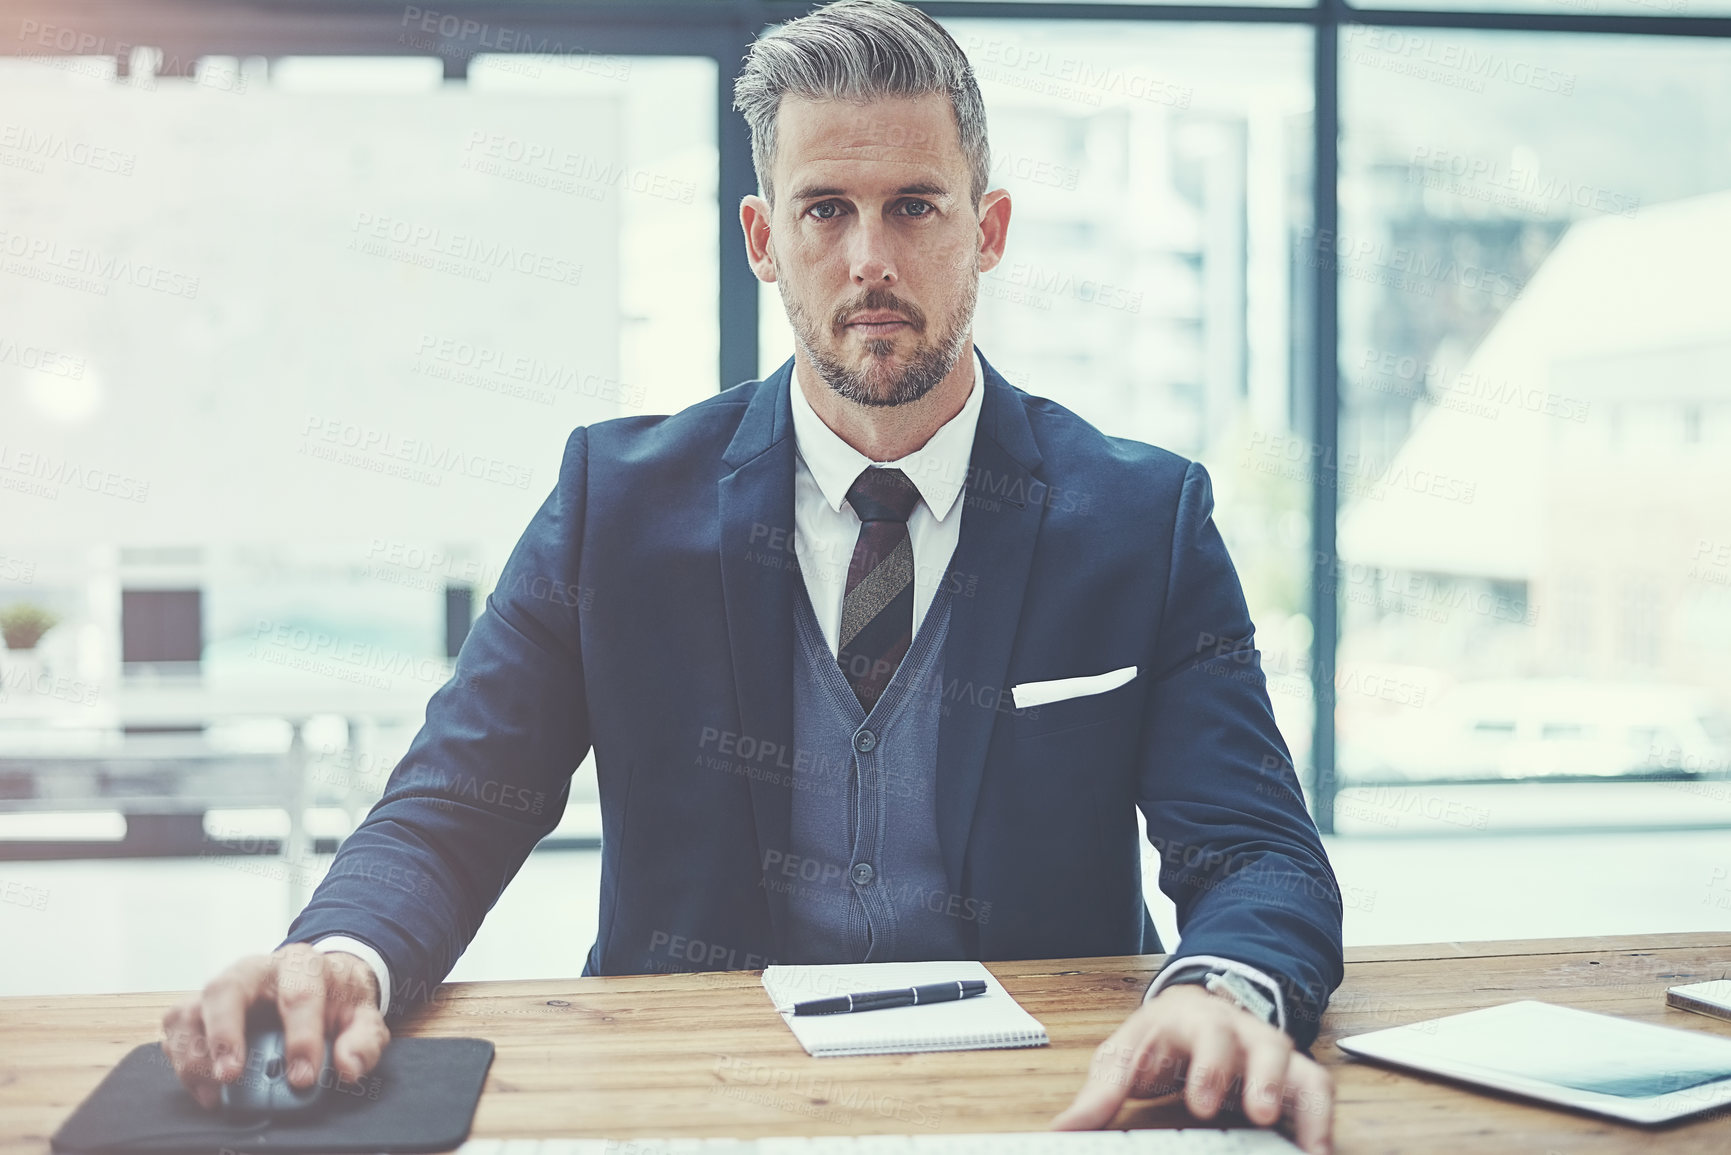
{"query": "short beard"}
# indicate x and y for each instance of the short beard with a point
(931, 363)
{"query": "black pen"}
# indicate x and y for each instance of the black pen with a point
(900, 997)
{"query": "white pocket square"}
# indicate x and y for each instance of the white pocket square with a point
(1056, 690)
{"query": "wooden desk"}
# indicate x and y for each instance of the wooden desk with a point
(702, 1055)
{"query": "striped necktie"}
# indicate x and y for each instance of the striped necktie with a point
(877, 611)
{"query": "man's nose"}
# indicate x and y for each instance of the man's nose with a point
(872, 260)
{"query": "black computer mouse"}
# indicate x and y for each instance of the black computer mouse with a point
(263, 1087)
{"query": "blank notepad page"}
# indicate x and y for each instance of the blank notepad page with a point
(993, 1019)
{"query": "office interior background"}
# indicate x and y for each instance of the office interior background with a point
(300, 301)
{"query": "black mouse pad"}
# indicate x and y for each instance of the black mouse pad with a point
(421, 1097)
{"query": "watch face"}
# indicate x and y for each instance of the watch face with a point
(1239, 990)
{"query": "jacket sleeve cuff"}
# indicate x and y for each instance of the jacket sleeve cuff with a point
(367, 955)
(1186, 962)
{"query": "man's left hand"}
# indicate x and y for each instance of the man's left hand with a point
(1187, 1037)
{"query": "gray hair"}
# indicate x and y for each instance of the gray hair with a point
(859, 50)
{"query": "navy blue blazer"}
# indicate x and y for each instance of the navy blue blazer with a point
(648, 611)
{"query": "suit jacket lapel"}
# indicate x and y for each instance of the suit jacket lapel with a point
(759, 580)
(1003, 502)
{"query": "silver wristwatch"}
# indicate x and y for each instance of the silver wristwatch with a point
(1232, 985)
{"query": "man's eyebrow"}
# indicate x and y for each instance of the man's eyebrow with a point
(911, 190)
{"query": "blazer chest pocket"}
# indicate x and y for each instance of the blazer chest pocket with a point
(1070, 703)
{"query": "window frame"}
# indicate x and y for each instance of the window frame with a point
(723, 30)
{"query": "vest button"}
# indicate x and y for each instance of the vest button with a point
(862, 873)
(865, 741)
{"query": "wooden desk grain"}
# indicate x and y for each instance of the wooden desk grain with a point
(702, 1055)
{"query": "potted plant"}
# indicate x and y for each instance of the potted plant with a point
(22, 625)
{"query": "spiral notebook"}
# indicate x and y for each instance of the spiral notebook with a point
(993, 1019)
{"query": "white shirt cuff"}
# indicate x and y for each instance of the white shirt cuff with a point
(367, 955)
(1184, 962)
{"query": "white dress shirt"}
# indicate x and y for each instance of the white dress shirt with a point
(826, 527)
(825, 531)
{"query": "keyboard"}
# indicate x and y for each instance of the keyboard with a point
(1187, 1141)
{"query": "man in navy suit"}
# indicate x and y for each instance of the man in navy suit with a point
(878, 658)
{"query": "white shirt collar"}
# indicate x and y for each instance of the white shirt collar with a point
(938, 469)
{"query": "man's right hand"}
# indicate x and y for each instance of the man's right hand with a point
(317, 995)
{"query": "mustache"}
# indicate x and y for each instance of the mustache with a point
(882, 300)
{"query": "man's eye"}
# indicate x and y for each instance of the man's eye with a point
(925, 208)
(826, 211)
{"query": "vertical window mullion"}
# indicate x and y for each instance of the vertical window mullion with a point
(1325, 410)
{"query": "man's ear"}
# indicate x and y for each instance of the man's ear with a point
(754, 222)
(994, 228)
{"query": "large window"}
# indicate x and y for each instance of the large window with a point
(1535, 449)
(290, 348)
(295, 320)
